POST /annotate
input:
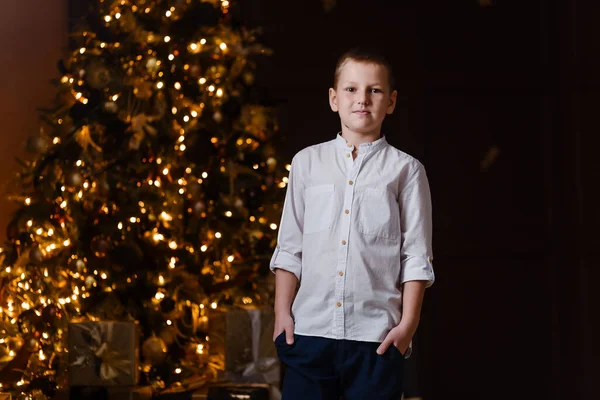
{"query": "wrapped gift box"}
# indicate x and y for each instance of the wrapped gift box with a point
(103, 353)
(241, 346)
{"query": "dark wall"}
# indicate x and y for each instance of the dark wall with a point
(33, 36)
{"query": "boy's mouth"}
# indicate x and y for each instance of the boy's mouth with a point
(362, 112)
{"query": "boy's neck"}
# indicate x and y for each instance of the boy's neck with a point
(356, 139)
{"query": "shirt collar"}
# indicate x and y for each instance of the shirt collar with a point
(342, 144)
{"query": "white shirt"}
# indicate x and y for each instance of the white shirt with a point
(353, 231)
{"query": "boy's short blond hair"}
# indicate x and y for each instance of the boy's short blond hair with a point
(363, 56)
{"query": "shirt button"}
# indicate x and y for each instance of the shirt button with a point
(350, 183)
(341, 273)
(347, 155)
(349, 145)
(430, 259)
(343, 242)
(338, 304)
(347, 211)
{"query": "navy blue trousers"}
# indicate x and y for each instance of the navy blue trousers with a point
(327, 369)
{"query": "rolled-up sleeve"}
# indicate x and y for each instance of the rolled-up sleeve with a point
(416, 253)
(288, 253)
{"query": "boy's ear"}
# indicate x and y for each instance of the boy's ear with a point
(392, 103)
(333, 100)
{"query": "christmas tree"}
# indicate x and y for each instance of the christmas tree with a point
(153, 191)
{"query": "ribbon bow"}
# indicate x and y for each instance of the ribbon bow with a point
(109, 363)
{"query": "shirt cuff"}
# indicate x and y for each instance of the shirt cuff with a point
(283, 260)
(418, 269)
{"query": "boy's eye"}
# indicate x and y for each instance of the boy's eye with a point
(350, 89)
(375, 90)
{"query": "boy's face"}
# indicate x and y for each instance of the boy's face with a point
(362, 97)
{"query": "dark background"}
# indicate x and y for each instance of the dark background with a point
(501, 104)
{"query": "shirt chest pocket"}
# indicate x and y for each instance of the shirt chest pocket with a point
(378, 213)
(318, 208)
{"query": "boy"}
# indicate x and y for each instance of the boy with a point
(355, 235)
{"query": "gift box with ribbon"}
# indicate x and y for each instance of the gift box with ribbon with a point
(103, 353)
(241, 346)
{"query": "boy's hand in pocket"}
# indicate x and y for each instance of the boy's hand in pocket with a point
(284, 323)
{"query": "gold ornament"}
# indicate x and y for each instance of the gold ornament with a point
(90, 281)
(248, 78)
(152, 65)
(168, 335)
(100, 246)
(255, 120)
(84, 139)
(127, 21)
(97, 75)
(32, 344)
(140, 123)
(154, 350)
